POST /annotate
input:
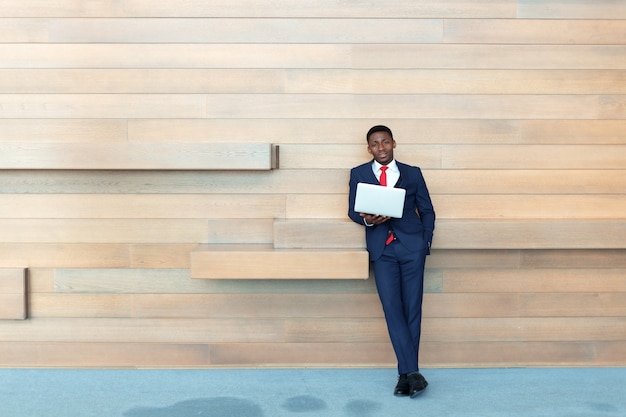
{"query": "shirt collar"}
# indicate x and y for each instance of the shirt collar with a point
(392, 166)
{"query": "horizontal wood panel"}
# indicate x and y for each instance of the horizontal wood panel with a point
(142, 206)
(13, 294)
(455, 305)
(64, 130)
(240, 231)
(156, 80)
(178, 281)
(490, 354)
(534, 157)
(556, 280)
(356, 56)
(453, 206)
(511, 234)
(59, 231)
(578, 329)
(205, 305)
(144, 330)
(106, 355)
(452, 81)
(573, 131)
(348, 131)
(352, 131)
(325, 156)
(490, 56)
(426, 106)
(318, 234)
(81, 305)
(526, 31)
(525, 305)
(263, 8)
(314, 354)
(309, 181)
(231, 30)
(525, 181)
(68, 255)
(101, 106)
(263, 262)
(583, 258)
(573, 9)
(307, 81)
(462, 156)
(12, 306)
(179, 156)
(175, 56)
(464, 330)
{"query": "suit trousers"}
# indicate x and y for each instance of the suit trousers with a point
(399, 275)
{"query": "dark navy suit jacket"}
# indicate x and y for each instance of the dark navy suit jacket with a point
(415, 229)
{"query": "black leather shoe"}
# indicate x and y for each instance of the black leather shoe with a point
(417, 384)
(402, 387)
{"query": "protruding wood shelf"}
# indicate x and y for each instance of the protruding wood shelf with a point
(250, 261)
(13, 304)
(139, 156)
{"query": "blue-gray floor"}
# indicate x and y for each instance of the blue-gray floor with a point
(553, 392)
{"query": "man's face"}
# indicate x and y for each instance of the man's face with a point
(380, 145)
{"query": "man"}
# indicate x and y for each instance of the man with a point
(398, 249)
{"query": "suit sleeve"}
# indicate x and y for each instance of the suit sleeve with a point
(425, 208)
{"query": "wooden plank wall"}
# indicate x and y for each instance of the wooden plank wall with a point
(515, 110)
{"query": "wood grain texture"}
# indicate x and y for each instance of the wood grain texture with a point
(13, 294)
(514, 110)
(265, 262)
(179, 156)
(264, 8)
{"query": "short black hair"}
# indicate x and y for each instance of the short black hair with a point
(378, 128)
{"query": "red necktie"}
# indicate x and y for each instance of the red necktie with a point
(383, 176)
(383, 182)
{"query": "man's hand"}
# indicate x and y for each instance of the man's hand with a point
(374, 219)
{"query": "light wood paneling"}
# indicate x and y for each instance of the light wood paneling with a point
(231, 30)
(562, 280)
(265, 262)
(141, 206)
(106, 106)
(426, 106)
(406, 131)
(60, 255)
(13, 294)
(526, 234)
(264, 8)
(176, 56)
(59, 231)
(293, 234)
(496, 56)
(142, 81)
(572, 9)
(63, 130)
(518, 31)
(227, 156)
(514, 110)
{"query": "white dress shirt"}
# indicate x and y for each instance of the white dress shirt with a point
(393, 173)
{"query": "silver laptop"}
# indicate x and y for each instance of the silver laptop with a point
(376, 199)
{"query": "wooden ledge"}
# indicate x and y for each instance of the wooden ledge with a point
(139, 156)
(265, 262)
(13, 293)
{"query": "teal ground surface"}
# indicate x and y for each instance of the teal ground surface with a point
(528, 392)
